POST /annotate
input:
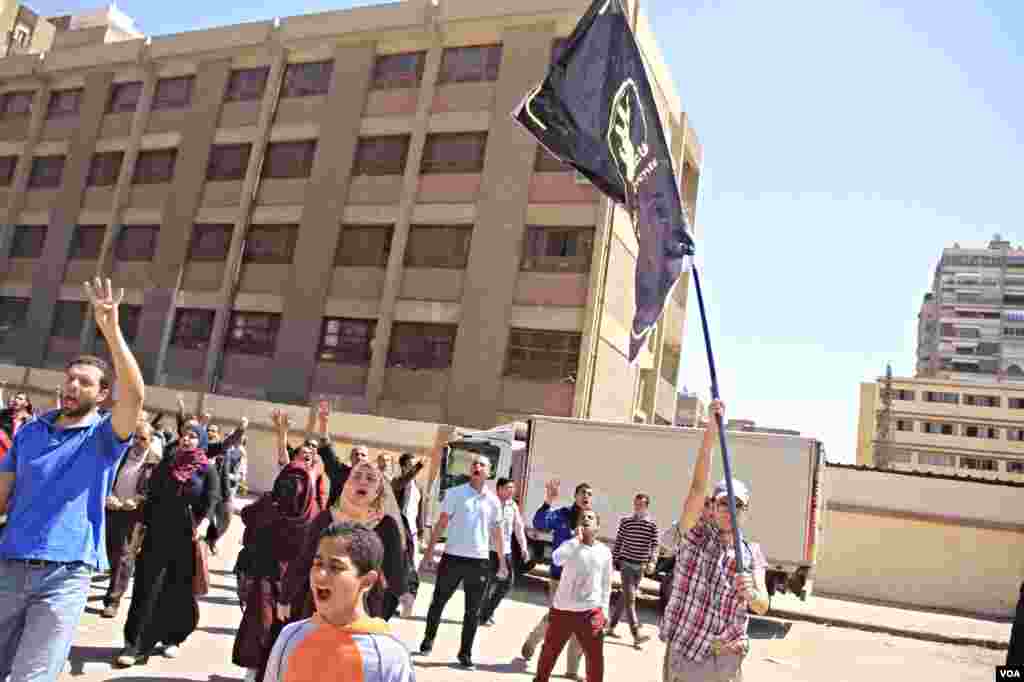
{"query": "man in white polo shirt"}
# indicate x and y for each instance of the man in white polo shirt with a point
(472, 516)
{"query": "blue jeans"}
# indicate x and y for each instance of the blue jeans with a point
(40, 607)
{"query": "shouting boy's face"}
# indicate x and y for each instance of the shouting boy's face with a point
(336, 583)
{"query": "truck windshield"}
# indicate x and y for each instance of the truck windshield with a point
(456, 467)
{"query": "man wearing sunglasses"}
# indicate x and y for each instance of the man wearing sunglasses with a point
(705, 622)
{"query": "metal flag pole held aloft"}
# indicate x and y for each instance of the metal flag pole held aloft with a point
(726, 465)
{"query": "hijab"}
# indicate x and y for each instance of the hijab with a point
(188, 461)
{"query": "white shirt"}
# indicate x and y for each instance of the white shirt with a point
(511, 521)
(586, 582)
(472, 516)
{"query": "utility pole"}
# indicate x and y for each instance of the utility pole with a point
(883, 435)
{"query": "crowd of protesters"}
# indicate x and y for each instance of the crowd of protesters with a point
(333, 551)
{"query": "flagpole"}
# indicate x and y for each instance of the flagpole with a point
(726, 465)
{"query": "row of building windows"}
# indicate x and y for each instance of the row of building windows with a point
(478, 63)
(971, 399)
(531, 354)
(945, 428)
(375, 156)
(545, 249)
(952, 461)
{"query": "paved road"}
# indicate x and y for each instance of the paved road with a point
(782, 651)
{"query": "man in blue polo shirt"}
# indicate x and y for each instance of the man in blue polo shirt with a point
(53, 483)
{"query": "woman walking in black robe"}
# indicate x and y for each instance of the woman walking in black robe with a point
(184, 489)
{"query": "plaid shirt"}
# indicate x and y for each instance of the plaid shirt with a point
(705, 606)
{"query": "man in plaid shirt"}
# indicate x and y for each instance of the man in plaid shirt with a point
(705, 622)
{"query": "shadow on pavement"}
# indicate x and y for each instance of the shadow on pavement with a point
(218, 572)
(762, 628)
(423, 619)
(212, 630)
(80, 655)
(164, 678)
(516, 666)
(224, 601)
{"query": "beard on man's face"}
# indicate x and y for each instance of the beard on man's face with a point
(80, 406)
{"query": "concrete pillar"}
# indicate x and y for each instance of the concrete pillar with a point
(400, 238)
(306, 292)
(179, 212)
(493, 267)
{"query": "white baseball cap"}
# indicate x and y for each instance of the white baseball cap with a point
(739, 489)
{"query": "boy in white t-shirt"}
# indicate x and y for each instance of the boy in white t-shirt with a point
(580, 606)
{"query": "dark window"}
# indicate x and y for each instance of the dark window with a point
(982, 400)
(155, 166)
(13, 313)
(137, 244)
(904, 425)
(381, 155)
(946, 429)
(979, 464)
(64, 103)
(1015, 434)
(310, 78)
(228, 162)
(104, 169)
(346, 342)
(16, 104)
(46, 172)
(124, 97)
(1015, 467)
(253, 333)
(438, 247)
(271, 244)
(1015, 403)
(8, 164)
(193, 328)
(416, 345)
(546, 162)
(470, 64)
(245, 85)
(937, 397)
(454, 153)
(68, 319)
(558, 249)
(210, 242)
(173, 93)
(28, 241)
(398, 70)
(289, 159)
(542, 355)
(902, 394)
(128, 319)
(88, 242)
(365, 246)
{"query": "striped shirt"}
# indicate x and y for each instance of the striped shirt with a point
(637, 539)
(312, 650)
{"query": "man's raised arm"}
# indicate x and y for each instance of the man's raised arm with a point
(700, 486)
(132, 392)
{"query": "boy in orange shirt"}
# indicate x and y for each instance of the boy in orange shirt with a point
(340, 642)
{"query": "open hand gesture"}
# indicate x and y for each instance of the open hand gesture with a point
(104, 305)
(551, 490)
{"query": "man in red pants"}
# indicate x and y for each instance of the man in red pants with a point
(580, 606)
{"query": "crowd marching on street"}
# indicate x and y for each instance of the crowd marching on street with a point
(332, 552)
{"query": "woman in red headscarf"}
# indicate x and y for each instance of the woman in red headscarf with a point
(275, 528)
(184, 489)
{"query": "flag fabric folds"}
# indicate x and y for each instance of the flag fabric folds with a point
(595, 110)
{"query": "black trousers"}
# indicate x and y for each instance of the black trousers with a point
(496, 589)
(1015, 655)
(474, 575)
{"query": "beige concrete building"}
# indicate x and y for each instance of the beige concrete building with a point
(940, 426)
(335, 204)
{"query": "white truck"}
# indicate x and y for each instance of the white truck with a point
(621, 459)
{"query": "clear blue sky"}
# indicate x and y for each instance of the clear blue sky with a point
(845, 144)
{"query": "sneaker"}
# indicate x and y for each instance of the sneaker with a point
(109, 612)
(466, 663)
(610, 632)
(639, 639)
(126, 658)
(572, 676)
(426, 647)
(527, 651)
(172, 651)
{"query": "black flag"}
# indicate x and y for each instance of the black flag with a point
(596, 112)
